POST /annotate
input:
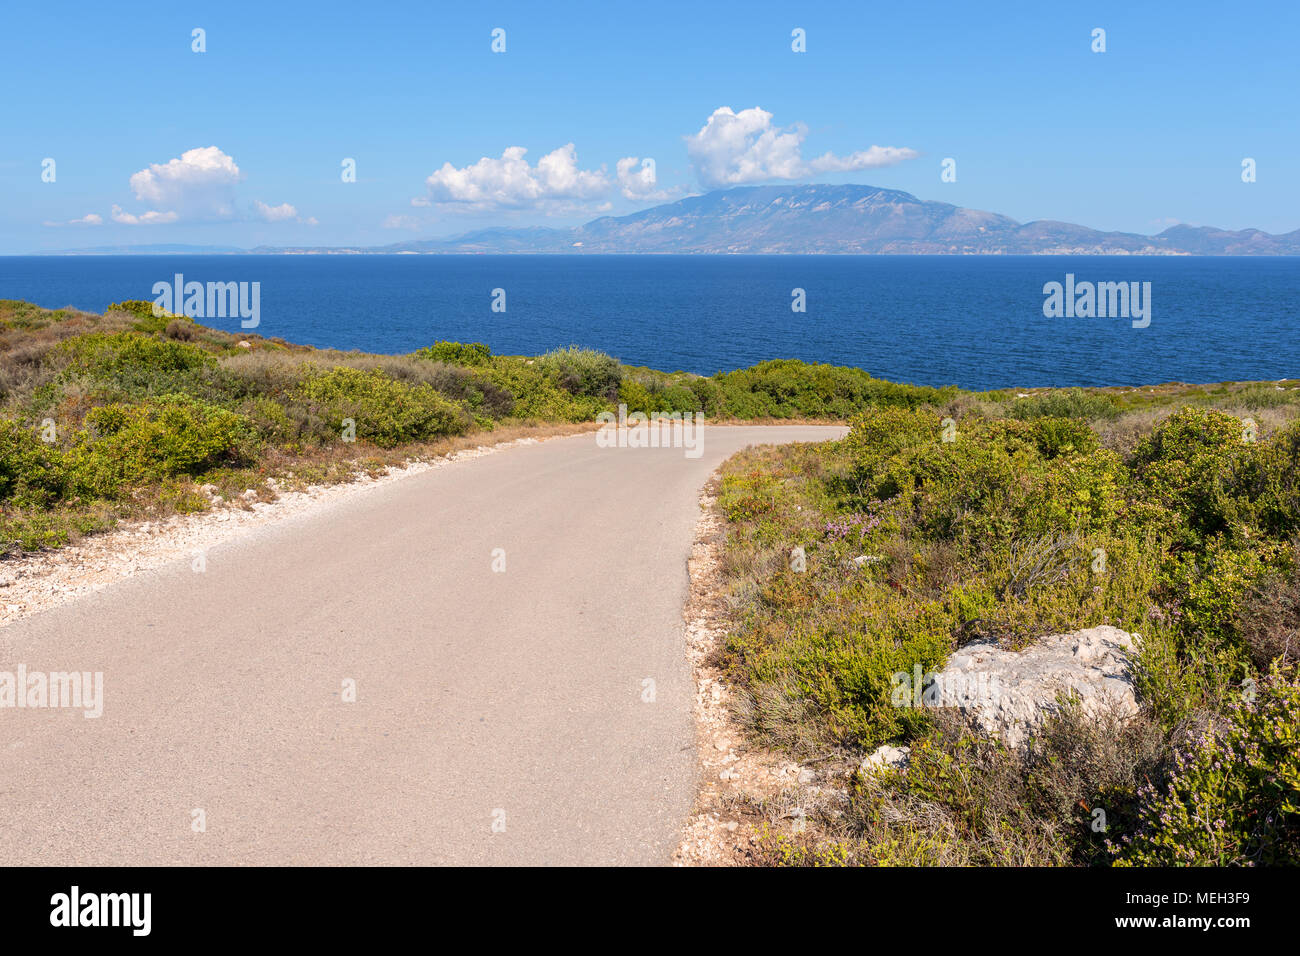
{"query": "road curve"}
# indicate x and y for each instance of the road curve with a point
(499, 716)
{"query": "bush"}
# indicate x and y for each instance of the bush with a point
(138, 365)
(125, 445)
(966, 800)
(31, 471)
(582, 371)
(457, 353)
(537, 395)
(1233, 797)
(143, 313)
(384, 412)
(1270, 482)
(1268, 618)
(1187, 466)
(1064, 403)
(794, 389)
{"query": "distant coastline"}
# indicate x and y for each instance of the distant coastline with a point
(793, 220)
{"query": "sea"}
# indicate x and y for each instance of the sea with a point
(979, 322)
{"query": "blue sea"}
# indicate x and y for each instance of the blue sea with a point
(975, 321)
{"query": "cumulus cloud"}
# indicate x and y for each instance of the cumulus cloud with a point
(200, 182)
(641, 183)
(151, 218)
(197, 186)
(733, 148)
(281, 213)
(511, 183)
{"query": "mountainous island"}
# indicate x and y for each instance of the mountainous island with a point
(804, 220)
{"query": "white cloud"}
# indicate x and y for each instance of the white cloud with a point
(401, 222)
(89, 219)
(862, 159)
(199, 185)
(733, 148)
(510, 183)
(275, 213)
(151, 218)
(640, 183)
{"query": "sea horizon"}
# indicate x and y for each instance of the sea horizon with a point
(977, 322)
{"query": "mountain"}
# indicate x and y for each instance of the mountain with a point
(865, 219)
(824, 219)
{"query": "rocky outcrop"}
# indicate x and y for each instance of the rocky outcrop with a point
(1009, 693)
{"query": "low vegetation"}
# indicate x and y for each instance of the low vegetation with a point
(129, 413)
(943, 517)
(1007, 519)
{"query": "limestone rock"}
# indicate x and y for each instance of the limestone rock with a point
(885, 756)
(1009, 693)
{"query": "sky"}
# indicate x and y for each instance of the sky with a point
(246, 143)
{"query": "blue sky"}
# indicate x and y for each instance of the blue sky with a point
(243, 144)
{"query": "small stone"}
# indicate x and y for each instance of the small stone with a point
(885, 756)
(807, 775)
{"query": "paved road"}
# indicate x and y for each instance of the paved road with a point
(481, 696)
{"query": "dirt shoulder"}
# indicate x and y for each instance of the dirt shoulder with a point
(747, 795)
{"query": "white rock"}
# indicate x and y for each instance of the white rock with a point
(1009, 693)
(885, 756)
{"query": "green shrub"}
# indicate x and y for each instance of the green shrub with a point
(537, 395)
(32, 473)
(145, 319)
(582, 371)
(126, 445)
(1064, 403)
(794, 389)
(138, 365)
(1233, 797)
(457, 353)
(1063, 436)
(383, 411)
(1270, 482)
(1187, 467)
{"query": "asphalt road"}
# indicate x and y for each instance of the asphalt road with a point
(499, 716)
